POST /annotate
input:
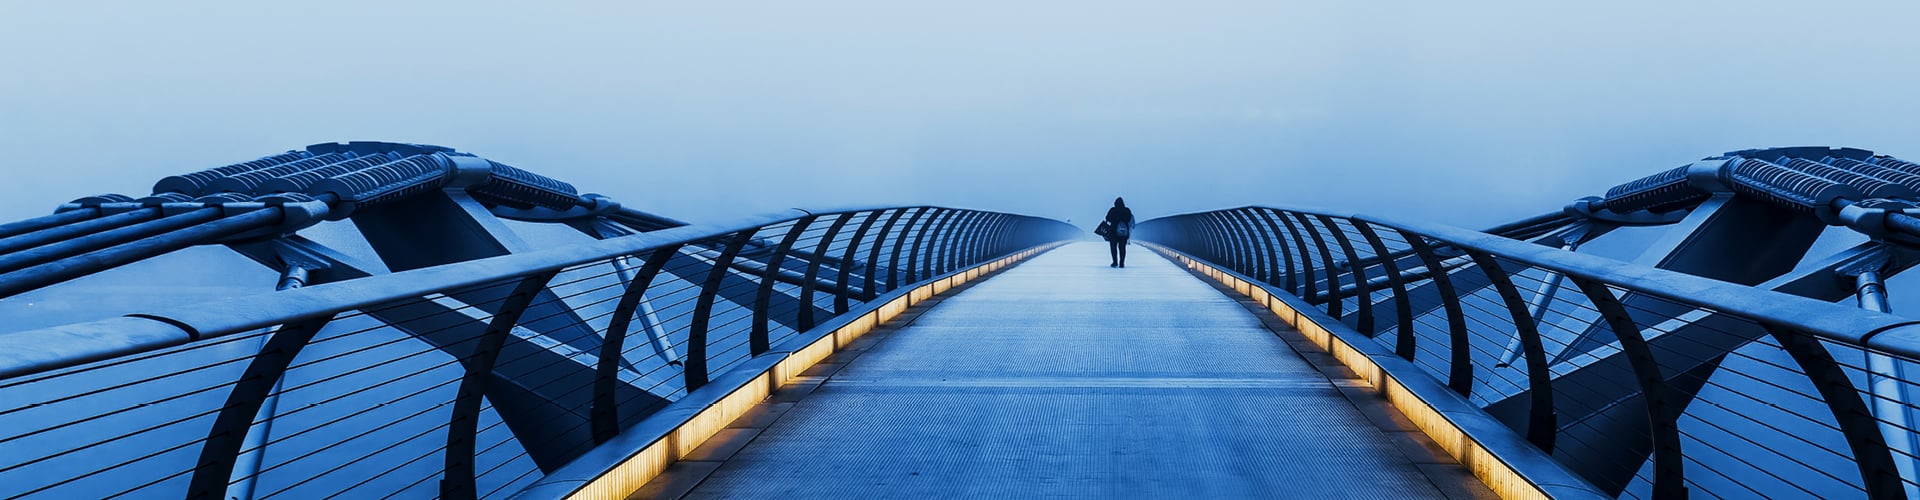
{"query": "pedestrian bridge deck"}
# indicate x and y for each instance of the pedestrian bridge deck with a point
(1064, 377)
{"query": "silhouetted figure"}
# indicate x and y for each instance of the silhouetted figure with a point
(1122, 220)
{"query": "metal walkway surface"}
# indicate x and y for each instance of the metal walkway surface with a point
(1063, 377)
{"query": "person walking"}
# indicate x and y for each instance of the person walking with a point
(1120, 222)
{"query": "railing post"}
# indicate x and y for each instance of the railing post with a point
(1203, 238)
(950, 245)
(941, 241)
(1272, 232)
(873, 255)
(1250, 257)
(964, 254)
(1669, 477)
(914, 261)
(1878, 473)
(1269, 259)
(1227, 254)
(987, 245)
(696, 366)
(1402, 308)
(912, 228)
(840, 301)
(1309, 290)
(1542, 422)
(1219, 241)
(457, 482)
(969, 246)
(1459, 347)
(1009, 238)
(222, 448)
(604, 414)
(942, 237)
(1193, 237)
(981, 247)
(757, 341)
(1326, 266)
(1363, 294)
(805, 321)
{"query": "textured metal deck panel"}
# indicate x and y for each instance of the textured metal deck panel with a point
(1066, 378)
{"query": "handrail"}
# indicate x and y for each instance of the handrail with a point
(33, 351)
(490, 330)
(1827, 320)
(1571, 394)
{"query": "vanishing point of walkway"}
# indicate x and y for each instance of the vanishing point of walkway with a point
(1062, 377)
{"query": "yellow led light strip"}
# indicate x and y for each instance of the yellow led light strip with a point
(1499, 475)
(636, 470)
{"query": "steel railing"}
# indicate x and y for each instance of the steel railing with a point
(457, 380)
(1647, 383)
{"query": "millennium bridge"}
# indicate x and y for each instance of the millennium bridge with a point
(412, 321)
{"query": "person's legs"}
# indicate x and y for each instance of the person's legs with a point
(1113, 251)
(1121, 244)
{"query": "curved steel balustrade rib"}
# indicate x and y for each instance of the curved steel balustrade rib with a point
(1787, 412)
(316, 391)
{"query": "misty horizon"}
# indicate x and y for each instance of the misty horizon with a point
(1464, 114)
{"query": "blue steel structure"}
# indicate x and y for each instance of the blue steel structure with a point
(1715, 363)
(466, 362)
(451, 346)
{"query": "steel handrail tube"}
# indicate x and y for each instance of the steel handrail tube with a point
(919, 236)
(1272, 230)
(604, 412)
(1402, 308)
(1218, 247)
(757, 340)
(695, 369)
(873, 255)
(1871, 455)
(1270, 267)
(56, 219)
(1326, 264)
(962, 236)
(1363, 293)
(1832, 322)
(899, 244)
(46, 273)
(463, 427)
(941, 238)
(33, 351)
(1255, 251)
(1215, 237)
(227, 437)
(938, 236)
(980, 243)
(949, 240)
(72, 245)
(963, 243)
(1669, 477)
(1307, 283)
(1542, 421)
(1246, 258)
(1800, 325)
(976, 242)
(84, 227)
(842, 296)
(1460, 360)
(805, 319)
(1829, 321)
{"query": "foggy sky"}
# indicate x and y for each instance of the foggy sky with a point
(1466, 114)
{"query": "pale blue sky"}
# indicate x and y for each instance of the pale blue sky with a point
(1464, 113)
